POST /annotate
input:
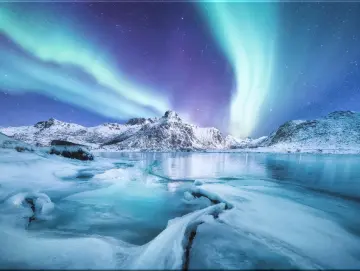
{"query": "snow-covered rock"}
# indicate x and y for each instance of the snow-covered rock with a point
(169, 132)
(337, 132)
(10, 143)
(70, 150)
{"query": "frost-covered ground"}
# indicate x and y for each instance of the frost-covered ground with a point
(179, 211)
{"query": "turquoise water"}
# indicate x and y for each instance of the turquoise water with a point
(338, 174)
(249, 211)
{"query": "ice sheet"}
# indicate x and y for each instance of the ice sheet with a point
(246, 212)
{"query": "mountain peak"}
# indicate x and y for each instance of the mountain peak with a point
(346, 113)
(46, 123)
(171, 115)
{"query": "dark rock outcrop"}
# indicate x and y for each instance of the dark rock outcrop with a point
(78, 154)
(31, 203)
(64, 143)
(45, 124)
(171, 115)
(70, 150)
(136, 121)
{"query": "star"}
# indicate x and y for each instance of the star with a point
(111, 59)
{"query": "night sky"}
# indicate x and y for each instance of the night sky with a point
(244, 68)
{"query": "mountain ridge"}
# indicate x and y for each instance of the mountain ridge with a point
(339, 131)
(168, 132)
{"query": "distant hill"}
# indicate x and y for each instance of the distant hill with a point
(337, 132)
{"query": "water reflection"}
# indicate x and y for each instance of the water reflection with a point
(332, 173)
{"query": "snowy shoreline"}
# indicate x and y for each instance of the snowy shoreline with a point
(335, 133)
(245, 150)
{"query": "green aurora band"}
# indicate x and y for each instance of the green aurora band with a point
(54, 48)
(246, 32)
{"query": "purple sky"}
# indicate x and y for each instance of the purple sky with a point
(169, 47)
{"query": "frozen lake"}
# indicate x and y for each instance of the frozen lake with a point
(180, 211)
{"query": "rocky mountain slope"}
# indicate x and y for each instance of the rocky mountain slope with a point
(43, 132)
(169, 132)
(236, 143)
(339, 131)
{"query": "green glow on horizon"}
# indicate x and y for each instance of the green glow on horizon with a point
(246, 34)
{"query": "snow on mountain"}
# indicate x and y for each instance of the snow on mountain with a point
(166, 133)
(337, 132)
(237, 143)
(43, 132)
(253, 143)
(232, 142)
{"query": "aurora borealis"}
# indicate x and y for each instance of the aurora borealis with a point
(109, 93)
(247, 35)
(242, 67)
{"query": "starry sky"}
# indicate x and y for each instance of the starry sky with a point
(243, 67)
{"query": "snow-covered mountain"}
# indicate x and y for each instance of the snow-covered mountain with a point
(339, 131)
(43, 132)
(237, 143)
(169, 132)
